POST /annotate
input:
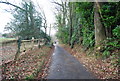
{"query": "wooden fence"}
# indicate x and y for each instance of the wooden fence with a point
(9, 48)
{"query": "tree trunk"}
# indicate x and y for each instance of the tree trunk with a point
(108, 32)
(99, 29)
(70, 29)
(50, 30)
(31, 13)
(18, 50)
(26, 14)
(45, 27)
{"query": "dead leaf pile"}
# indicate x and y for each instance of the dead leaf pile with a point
(103, 69)
(32, 63)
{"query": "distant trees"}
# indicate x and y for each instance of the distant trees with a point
(8, 35)
(61, 22)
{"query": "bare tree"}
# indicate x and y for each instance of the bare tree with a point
(43, 17)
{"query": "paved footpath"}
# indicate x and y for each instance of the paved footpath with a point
(65, 66)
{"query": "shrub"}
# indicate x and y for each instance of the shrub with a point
(116, 31)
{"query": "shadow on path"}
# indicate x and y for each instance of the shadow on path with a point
(65, 66)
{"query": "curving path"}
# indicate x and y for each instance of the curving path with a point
(65, 66)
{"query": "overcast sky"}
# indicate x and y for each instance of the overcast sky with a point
(47, 6)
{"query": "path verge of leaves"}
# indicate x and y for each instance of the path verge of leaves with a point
(103, 69)
(29, 65)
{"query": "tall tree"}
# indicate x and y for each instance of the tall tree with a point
(26, 23)
(70, 22)
(99, 28)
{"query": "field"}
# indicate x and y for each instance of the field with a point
(9, 48)
(6, 39)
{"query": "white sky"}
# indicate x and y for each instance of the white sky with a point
(47, 6)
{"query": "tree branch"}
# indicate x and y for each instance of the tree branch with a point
(58, 4)
(8, 3)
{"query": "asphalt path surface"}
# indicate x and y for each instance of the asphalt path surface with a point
(65, 66)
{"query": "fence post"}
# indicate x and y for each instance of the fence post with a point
(32, 42)
(39, 43)
(18, 50)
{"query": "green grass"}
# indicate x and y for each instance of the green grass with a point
(6, 39)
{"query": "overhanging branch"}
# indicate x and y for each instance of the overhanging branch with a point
(8, 3)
